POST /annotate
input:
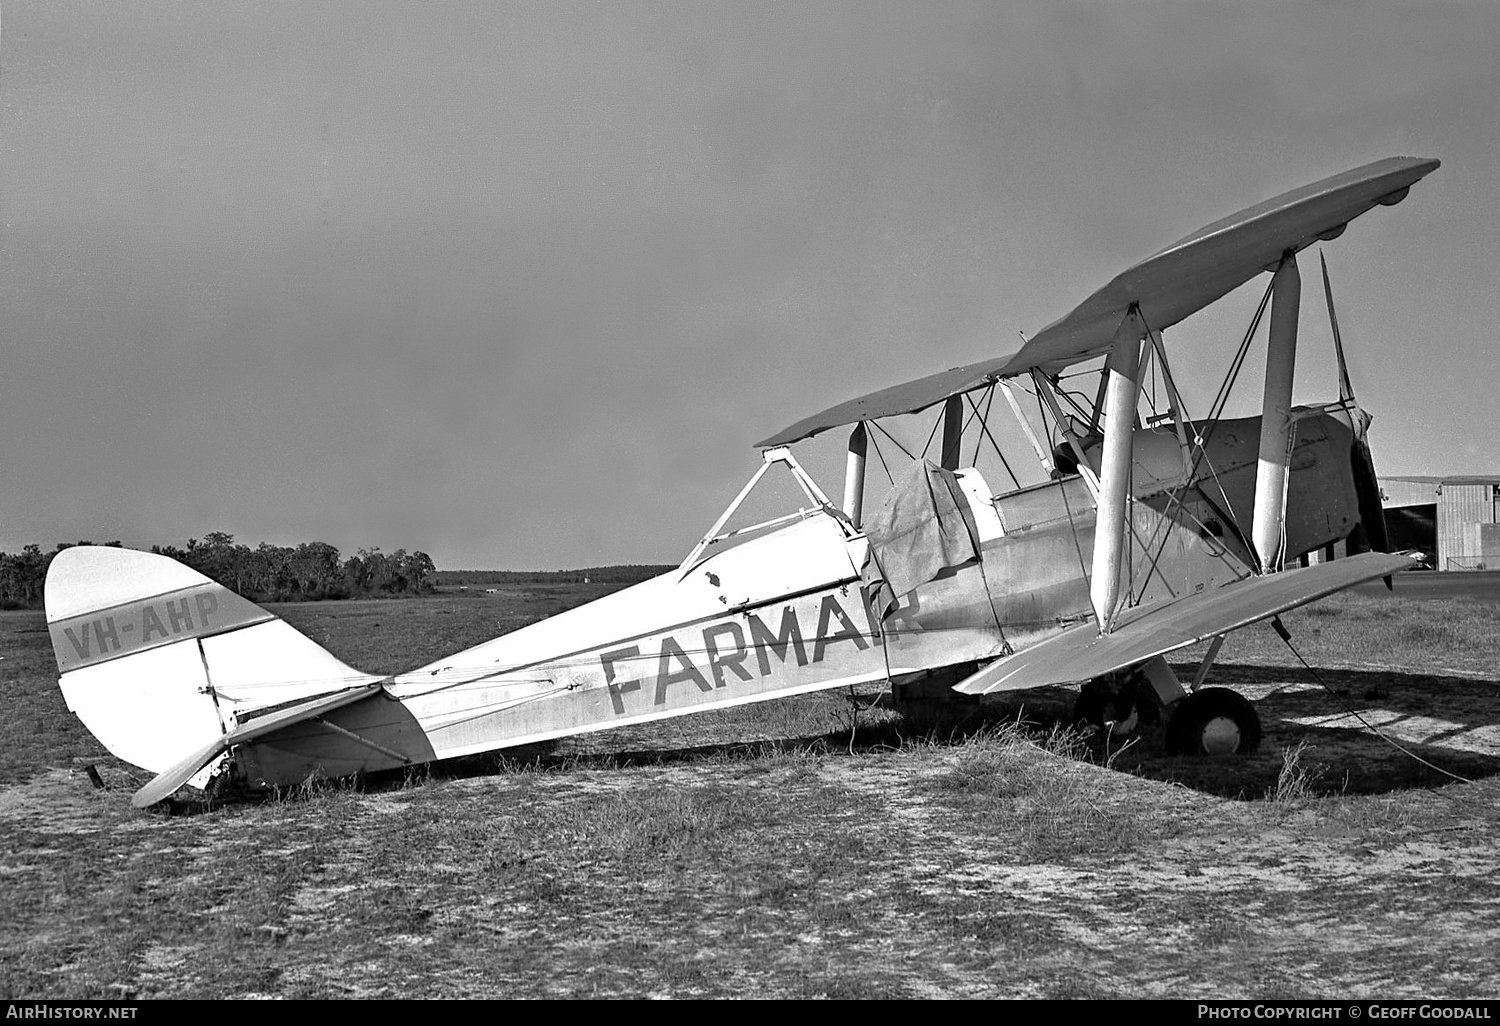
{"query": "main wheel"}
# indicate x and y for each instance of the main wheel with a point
(1213, 721)
(1121, 703)
(1105, 703)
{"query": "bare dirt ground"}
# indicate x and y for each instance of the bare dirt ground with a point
(799, 849)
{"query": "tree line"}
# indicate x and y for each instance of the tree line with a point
(266, 573)
(632, 573)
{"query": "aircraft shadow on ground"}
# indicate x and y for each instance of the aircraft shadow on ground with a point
(1430, 715)
(1451, 722)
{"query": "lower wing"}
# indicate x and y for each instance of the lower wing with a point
(1145, 632)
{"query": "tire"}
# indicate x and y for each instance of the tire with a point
(1213, 721)
(1126, 702)
(1107, 704)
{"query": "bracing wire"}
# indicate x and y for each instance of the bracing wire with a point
(1286, 636)
(876, 443)
(989, 398)
(1068, 398)
(942, 415)
(984, 425)
(1216, 409)
(1077, 545)
(1222, 396)
(883, 431)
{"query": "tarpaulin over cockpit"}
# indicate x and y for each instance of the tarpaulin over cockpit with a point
(924, 527)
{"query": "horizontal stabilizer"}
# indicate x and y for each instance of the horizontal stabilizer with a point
(1081, 653)
(165, 784)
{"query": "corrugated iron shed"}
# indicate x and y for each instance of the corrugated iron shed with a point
(1463, 502)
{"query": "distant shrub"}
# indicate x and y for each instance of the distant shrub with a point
(267, 573)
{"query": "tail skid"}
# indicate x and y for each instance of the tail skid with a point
(160, 662)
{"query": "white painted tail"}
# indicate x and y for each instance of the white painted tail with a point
(158, 660)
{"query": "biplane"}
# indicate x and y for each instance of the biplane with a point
(1149, 532)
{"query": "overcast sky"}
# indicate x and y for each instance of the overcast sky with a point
(520, 284)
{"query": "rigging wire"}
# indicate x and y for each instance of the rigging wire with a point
(1165, 525)
(876, 443)
(882, 632)
(1077, 545)
(974, 538)
(1216, 408)
(1063, 492)
(1286, 636)
(1156, 381)
(989, 399)
(1200, 456)
(984, 425)
(1068, 396)
(883, 431)
(969, 419)
(1041, 409)
(942, 415)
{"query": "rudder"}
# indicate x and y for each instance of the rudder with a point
(158, 660)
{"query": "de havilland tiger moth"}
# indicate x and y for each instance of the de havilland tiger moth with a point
(1150, 532)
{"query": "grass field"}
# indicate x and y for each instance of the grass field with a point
(811, 847)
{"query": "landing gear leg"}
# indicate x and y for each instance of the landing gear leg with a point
(1122, 703)
(1110, 703)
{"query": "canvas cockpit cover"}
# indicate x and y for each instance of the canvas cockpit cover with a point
(924, 527)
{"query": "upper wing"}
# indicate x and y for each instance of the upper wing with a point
(1215, 260)
(1169, 286)
(1081, 653)
(888, 402)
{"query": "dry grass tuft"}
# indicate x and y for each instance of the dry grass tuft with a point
(1295, 782)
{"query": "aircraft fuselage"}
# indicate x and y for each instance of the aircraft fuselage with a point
(786, 613)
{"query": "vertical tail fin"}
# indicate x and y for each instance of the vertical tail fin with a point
(158, 660)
